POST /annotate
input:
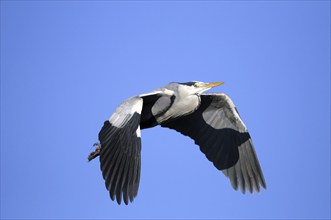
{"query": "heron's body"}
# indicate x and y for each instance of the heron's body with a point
(210, 119)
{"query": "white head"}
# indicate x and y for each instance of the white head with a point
(195, 87)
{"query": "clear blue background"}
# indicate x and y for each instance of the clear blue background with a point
(65, 66)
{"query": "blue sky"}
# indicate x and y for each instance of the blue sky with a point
(65, 66)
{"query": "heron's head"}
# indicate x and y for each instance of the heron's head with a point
(196, 87)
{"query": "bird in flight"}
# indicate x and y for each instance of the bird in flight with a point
(210, 119)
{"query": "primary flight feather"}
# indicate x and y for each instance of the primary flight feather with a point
(211, 120)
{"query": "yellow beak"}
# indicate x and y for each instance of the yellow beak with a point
(213, 84)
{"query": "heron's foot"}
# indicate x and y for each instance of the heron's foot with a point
(97, 144)
(95, 153)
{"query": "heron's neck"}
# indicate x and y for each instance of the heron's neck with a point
(181, 106)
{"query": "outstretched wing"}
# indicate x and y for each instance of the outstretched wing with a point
(223, 137)
(120, 150)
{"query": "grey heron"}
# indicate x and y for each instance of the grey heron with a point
(210, 119)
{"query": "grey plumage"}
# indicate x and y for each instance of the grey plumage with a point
(211, 120)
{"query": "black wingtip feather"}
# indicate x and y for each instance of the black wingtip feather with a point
(120, 158)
